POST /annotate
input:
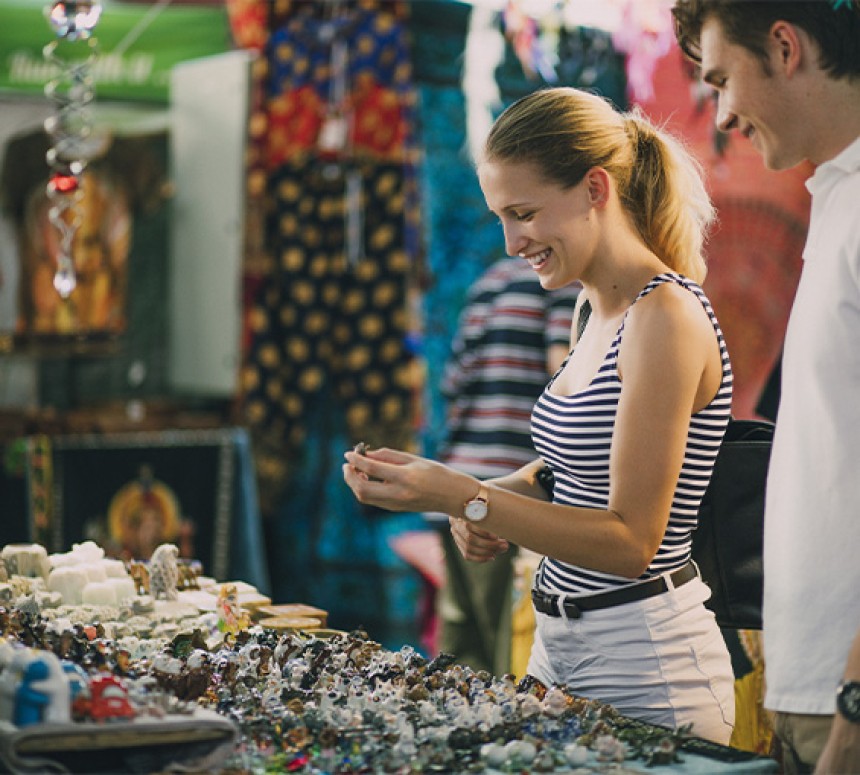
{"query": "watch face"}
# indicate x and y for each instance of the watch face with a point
(476, 510)
(848, 700)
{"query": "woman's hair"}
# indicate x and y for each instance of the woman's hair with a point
(565, 132)
(834, 25)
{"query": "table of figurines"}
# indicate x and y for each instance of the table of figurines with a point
(108, 665)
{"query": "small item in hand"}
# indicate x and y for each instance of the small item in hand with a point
(361, 449)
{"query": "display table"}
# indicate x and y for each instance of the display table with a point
(100, 677)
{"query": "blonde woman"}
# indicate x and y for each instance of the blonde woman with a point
(629, 426)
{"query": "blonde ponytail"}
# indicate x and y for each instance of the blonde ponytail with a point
(666, 197)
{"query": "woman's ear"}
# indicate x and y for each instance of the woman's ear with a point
(599, 185)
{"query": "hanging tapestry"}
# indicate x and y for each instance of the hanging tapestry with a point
(334, 305)
(340, 80)
(335, 313)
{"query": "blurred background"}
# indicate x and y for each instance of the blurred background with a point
(276, 222)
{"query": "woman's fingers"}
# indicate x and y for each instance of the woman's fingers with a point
(392, 480)
(476, 544)
(369, 468)
(375, 462)
(386, 455)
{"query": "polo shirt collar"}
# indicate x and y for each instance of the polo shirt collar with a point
(845, 162)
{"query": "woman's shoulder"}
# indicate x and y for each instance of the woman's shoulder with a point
(669, 299)
(670, 280)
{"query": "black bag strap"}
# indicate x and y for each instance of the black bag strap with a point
(584, 314)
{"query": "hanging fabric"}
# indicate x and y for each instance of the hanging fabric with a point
(333, 312)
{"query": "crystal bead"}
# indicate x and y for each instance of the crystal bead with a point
(74, 19)
(65, 282)
(63, 184)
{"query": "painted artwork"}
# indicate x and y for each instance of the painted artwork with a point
(132, 492)
(100, 246)
(124, 182)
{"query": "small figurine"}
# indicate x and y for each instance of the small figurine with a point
(30, 701)
(164, 573)
(109, 699)
(231, 617)
(57, 686)
(44, 693)
(78, 684)
(188, 575)
(140, 576)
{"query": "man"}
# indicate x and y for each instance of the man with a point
(787, 76)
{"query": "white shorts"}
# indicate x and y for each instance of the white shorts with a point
(662, 660)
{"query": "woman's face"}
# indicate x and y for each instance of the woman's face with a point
(552, 228)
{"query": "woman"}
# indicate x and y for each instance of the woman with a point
(629, 426)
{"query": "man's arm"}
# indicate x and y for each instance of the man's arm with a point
(842, 751)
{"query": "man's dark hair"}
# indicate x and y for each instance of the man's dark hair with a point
(834, 25)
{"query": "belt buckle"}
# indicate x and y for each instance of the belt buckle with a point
(571, 610)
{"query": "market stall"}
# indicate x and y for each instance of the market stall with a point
(107, 665)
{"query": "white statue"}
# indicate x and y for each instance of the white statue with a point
(164, 573)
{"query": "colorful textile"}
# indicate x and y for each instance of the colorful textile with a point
(335, 314)
(327, 550)
(248, 23)
(344, 64)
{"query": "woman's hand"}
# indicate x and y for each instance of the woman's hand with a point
(476, 544)
(398, 481)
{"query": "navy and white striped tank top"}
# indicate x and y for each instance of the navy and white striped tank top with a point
(573, 435)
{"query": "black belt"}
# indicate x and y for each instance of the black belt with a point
(548, 603)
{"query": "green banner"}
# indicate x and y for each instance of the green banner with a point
(137, 45)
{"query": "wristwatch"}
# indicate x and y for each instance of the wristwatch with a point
(476, 509)
(848, 700)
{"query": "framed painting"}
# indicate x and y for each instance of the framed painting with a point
(130, 492)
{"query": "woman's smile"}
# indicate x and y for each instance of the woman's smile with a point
(537, 260)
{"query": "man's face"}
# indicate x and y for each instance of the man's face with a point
(751, 100)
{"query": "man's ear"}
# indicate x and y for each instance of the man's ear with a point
(599, 184)
(788, 46)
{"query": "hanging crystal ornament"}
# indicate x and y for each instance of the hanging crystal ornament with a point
(74, 19)
(70, 128)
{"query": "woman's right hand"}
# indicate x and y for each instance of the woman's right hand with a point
(474, 543)
(400, 481)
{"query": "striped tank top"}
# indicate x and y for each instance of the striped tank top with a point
(573, 435)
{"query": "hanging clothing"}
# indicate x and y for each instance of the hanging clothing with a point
(335, 313)
(333, 308)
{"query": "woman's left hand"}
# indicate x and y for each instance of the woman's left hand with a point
(399, 481)
(475, 543)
